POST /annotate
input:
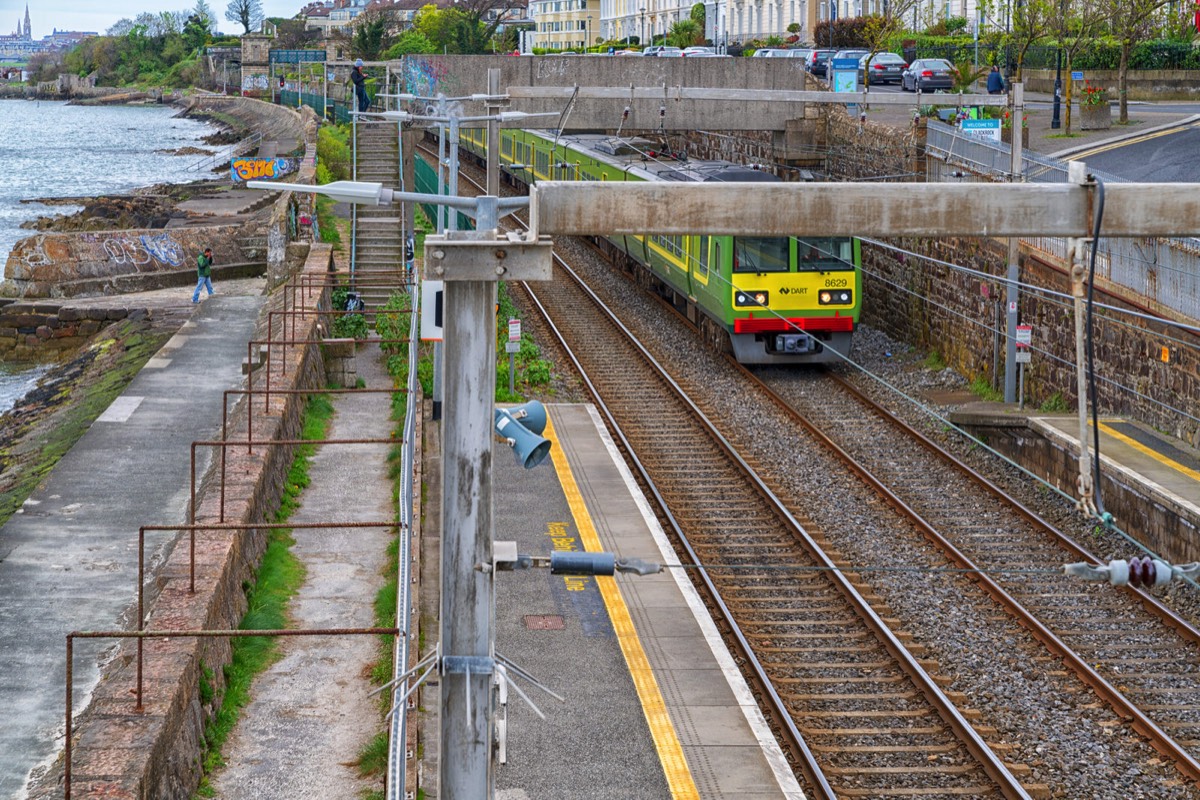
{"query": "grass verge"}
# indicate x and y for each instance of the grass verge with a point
(279, 576)
(392, 322)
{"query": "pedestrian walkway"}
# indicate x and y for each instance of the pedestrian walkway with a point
(378, 249)
(69, 561)
(310, 715)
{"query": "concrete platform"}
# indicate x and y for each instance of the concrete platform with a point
(1151, 483)
(1137, 453)
(655, 706)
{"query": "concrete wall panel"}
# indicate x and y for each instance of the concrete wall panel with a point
(460, 76)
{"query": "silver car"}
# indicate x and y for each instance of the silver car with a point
(927, 74)
(884, 68)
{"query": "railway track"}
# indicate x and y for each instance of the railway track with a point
(1132, 650)
(1126, 646)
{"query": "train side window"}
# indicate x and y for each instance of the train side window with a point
(702, 258)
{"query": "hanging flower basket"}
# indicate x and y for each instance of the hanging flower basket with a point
(1095, 117)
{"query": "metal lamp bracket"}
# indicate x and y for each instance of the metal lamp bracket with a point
(499, 258)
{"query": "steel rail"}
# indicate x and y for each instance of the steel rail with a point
(945, 708)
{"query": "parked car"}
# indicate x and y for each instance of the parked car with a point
(669, 52)
(845, 54)
(698, 50)
(926, 74)
(818, 60)
(628, 53)
(800, 52)
(659, 49)
(768, 52)
(884, 68)
(707, 55)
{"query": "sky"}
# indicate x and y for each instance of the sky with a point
(91, 15)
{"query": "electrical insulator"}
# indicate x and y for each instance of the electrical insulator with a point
(1144, 571)
(862, 117)
(625, 113)
(662, 112)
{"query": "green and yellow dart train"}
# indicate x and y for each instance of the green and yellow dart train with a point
(768, 300)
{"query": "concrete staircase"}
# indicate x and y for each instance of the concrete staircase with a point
(379, 246)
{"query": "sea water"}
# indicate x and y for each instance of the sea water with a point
(51, 149)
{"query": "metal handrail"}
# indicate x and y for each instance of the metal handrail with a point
(236, 149)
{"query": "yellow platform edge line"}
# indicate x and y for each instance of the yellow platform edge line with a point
(1159, 457)
(666, 742)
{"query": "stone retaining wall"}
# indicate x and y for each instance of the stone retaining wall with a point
(46, 331)
(120, 753)
(957, 314)
(1144, 84)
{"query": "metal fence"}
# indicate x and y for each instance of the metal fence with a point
(1164, 271)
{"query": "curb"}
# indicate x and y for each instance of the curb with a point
(1079, 148)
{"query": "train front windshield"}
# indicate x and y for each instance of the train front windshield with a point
(824, 254)
(760, 254)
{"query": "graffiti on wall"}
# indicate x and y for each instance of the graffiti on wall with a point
(255, 83)
(262, 169)
(426, 78)
(141, 250)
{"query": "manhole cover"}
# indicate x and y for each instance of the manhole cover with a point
(547, 622)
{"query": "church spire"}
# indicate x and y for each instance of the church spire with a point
(28, 27)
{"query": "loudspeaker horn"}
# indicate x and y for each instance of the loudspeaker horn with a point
(529, 448)
(532, 415)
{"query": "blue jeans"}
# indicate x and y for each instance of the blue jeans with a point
(202, 283)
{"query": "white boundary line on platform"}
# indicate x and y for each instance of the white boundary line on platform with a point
(775, 758)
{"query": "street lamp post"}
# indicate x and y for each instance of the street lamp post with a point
(642, 28)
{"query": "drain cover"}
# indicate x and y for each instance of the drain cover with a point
(547, 622)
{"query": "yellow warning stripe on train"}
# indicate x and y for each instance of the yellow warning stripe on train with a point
(670, 751)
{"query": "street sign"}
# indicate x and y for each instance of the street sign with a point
(512, 347)
(1077, 76)
(1024, 335)
(987, 129)
(1024, 356)
(514, 330)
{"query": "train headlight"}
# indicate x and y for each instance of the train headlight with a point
(750, 299)
(835, 297)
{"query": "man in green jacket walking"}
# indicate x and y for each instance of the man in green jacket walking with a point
(203, 274)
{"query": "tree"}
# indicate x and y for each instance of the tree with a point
(203, 12)
(372, 33)
(294, 34)
(1030, 21)
(697, 15)
(1074, 23)
(1132, 21)
(685, 33)
(119, 28)
(879, 28)
(195, 32)
(249, 13)
(411, 42)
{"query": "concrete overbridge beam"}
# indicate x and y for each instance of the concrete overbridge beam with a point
(571, 208)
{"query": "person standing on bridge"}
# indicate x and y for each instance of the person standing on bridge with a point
(203, 274)
(360, 86)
